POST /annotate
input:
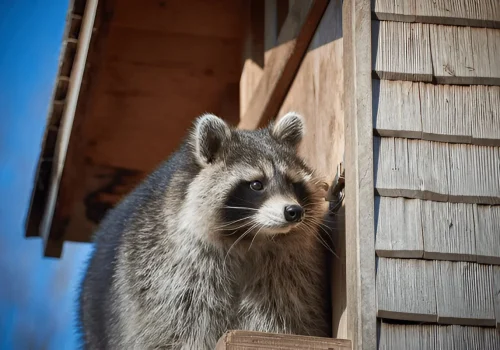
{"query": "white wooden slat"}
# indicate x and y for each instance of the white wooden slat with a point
(437, 337)
(484, 13)
(493, 41)
(398, 227)
(401, 51)
(446, 113)
(496, 293)
(485, 115)
(448, 231)
(488, 234)
(405, 290)
(474, 174)
(464, 293)
(396, 110)
(433, 167)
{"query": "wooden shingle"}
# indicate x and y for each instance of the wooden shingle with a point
(398, 227)
(401, 51)
(485, 13)
(433, 170)
(485, 115)
(496, 293)
(464, 293)
(448, 231)
(396, 109)
(405, 290)
(436, 337)
(488, 234)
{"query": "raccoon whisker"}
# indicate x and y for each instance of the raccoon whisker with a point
(255, 235)
(322, 242)
(322, 226)
(232, 222)
(234, 229)
(241, 208)
(239, 239)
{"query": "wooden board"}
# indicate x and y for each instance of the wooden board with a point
(253, 52)
(360, 237)
(448, 231)
(246, 340)
(398, 227)
(485, 13)
(429, 52)
(279, 71)
(434, 337)
(437, 171)
(401, 51)
(496, 293)
(464, 293)
(447, 113)
(317, 93)
(396, 109)
(488, 234)
(405, 290)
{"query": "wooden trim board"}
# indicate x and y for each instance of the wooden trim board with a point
(359, 200)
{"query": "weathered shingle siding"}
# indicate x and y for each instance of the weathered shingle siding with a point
(436, 121)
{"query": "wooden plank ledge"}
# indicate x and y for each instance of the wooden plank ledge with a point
(247, 340)
(284, 61)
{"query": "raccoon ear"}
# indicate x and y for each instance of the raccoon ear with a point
(209, 134)
(290, 128)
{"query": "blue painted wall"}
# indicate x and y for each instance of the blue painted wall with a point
(37, 295)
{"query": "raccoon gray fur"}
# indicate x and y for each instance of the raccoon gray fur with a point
(221, 236)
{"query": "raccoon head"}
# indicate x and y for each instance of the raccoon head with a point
(252, 183)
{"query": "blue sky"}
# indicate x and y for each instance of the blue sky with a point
(37, 295)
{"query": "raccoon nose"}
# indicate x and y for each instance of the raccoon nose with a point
(293, 213)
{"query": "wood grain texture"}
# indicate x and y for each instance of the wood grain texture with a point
(462, 55)
(474, 174)
(396, 167)
(440, 53)
(496, 293)
(401, 51)
(464, 293)
(486, 115)
(405, 290)
(280, 68)
(398, 227)
(437, 337)
(448, 231)
(433, 169)
(437, 171)
(484, 13)
(359, 201)
(446, 113)
(246, 340)
(396, 109)
(253, 52)
(488, 234)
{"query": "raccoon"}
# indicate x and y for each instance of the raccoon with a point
(223, 235)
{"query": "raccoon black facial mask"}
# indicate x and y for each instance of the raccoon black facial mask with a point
(223, 235)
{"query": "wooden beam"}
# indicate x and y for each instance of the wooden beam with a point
(359, 200)
(246, 340)
(293, 40)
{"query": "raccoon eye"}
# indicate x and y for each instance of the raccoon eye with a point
(256, 185)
